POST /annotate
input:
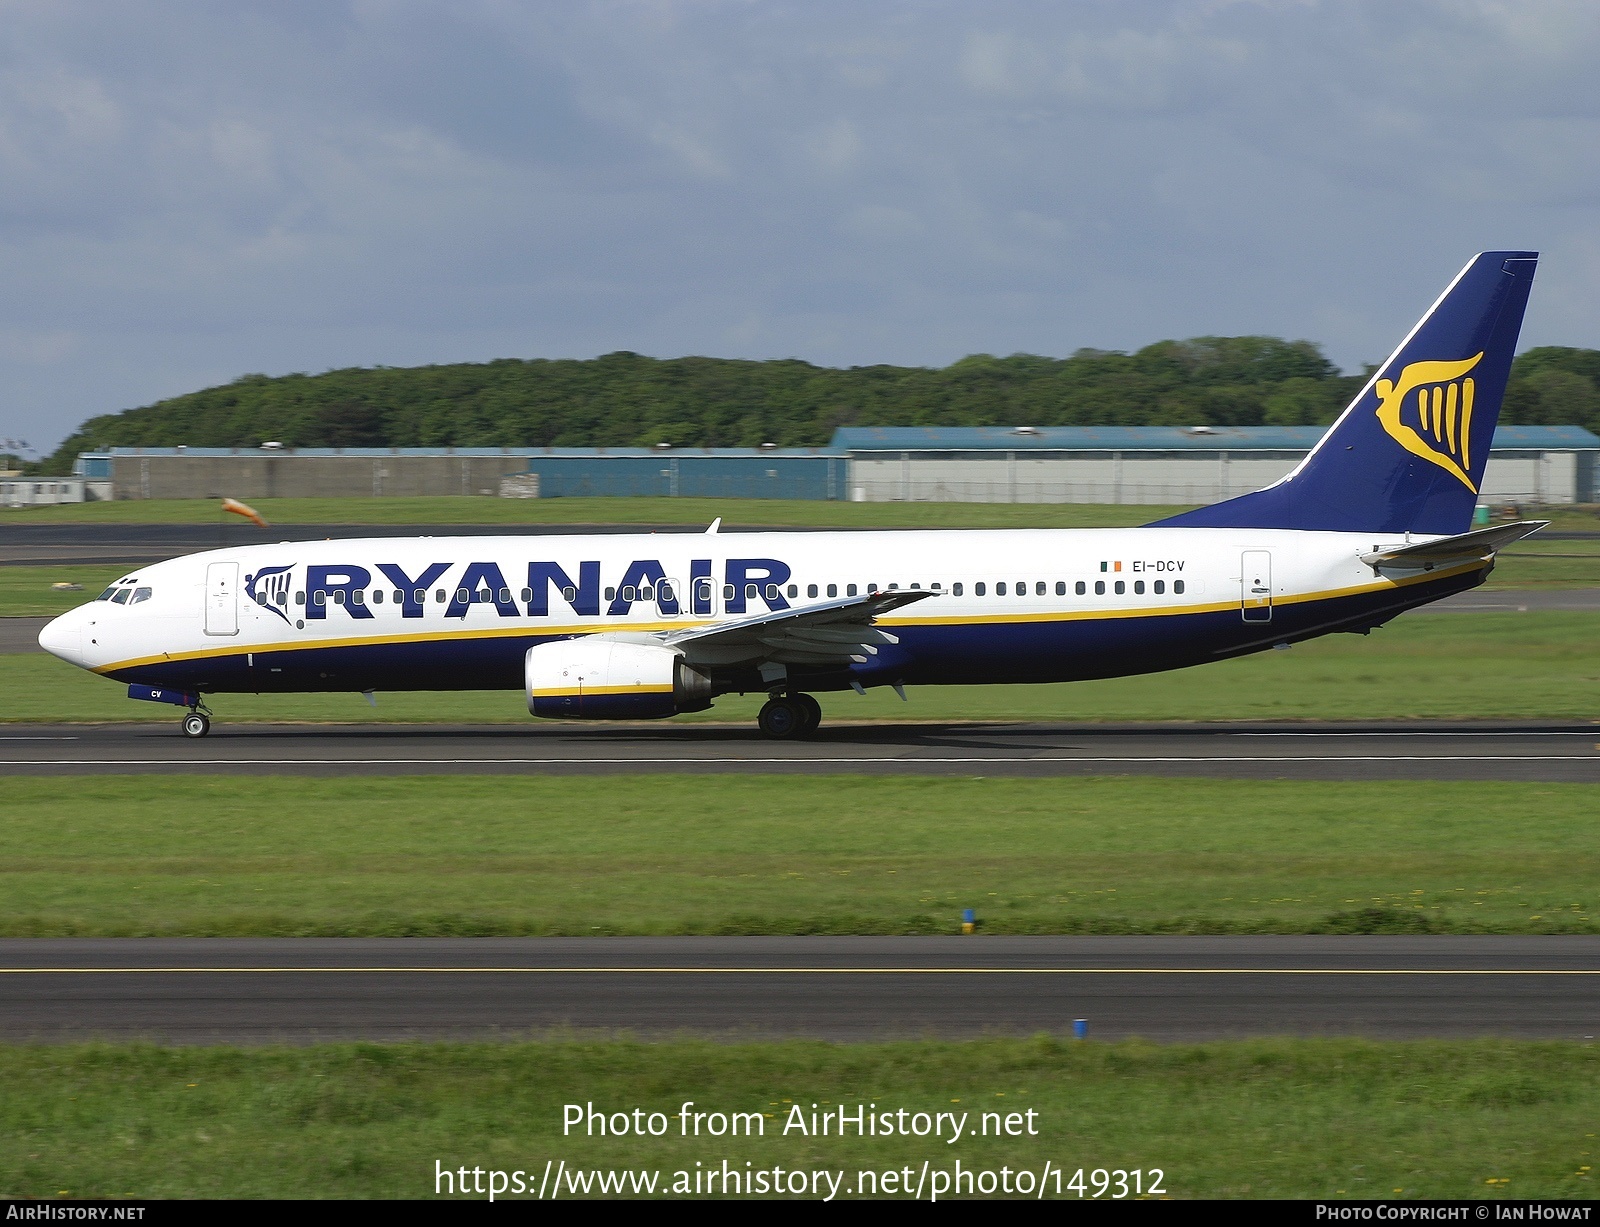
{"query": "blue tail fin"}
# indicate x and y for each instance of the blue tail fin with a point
(1408, 453)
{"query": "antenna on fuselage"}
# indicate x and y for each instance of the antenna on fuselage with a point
(715, 525)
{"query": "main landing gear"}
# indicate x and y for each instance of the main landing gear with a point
(787, 716)
(197, 723)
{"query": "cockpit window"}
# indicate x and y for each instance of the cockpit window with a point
(107, 594)
(140, 594)
(121, 595)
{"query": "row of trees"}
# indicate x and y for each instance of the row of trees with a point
(628, 399)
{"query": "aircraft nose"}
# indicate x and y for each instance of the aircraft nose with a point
(63, 637)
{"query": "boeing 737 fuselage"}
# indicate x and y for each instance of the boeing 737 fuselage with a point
(1374, 522)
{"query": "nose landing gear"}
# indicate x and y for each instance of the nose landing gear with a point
(784, 717)
(198, 722)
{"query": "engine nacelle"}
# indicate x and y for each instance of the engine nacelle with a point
(595, 678)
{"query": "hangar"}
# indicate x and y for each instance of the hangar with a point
(1161, 464)
(1532, 465)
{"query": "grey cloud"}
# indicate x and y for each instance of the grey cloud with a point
(191, 191)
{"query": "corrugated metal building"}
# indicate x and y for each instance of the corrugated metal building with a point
(544, 472)
(1068, 464)
(1161, 464)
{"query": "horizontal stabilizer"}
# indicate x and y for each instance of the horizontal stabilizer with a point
(1459, 548)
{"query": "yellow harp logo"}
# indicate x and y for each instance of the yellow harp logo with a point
(1436, 422)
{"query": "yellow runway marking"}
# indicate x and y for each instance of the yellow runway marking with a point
(812, 971)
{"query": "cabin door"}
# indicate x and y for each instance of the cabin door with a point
(1255, 580)
(222, 598)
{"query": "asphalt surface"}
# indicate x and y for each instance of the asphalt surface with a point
(1529, 751)
(1163, 988)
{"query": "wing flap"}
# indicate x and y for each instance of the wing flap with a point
(829, 633)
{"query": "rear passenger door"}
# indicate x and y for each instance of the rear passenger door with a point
(1255, 586)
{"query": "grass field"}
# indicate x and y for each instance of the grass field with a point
(1434, 666)
(1313, 1119)
(494, 855)
(654, 511)
(689, 512)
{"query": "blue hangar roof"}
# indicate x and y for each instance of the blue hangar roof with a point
(1152, 438)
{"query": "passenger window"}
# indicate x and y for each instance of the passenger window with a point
(664, 591)
(872, 589)
(611, 594)
(833, 590)
(527, 595)
(772, 592)
(955, 588)
(1120, 587)
(463, 597)
(1000, 588)
(505, 596)
(811, 590)
(299, 598)
(628, 593)
(1038, 589)
(1022, 587)
(1080, 587)
(377, 596)
(398, 597)
(647, 593)
(894, 587)
(438, 596)
(1159, 586)
(1177, 586)
(358, 597)
(980, 588)
(795, 591)
(1099, 587)
(728, 592)
(751, 592)
(849, 591)
(568, 595)
(1138, 587)
(418, 596)
(338, 596)
(319, 598)
(916, 587)
(1061, 588)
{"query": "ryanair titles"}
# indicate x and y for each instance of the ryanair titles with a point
(748, 584)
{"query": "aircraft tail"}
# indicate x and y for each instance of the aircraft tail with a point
(1408, 453)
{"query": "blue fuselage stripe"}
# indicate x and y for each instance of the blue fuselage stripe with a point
(928, 654)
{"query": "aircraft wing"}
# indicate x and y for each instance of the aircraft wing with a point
(829, 633)
(1460, 548)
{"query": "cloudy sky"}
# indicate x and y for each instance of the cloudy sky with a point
(190, 192)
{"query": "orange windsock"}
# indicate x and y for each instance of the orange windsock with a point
(239, 509)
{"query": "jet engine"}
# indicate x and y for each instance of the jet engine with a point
(596, 678)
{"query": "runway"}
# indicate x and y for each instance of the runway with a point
(1323, 751)
(256, 991)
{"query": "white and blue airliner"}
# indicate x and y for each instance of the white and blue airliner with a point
(1376, 520)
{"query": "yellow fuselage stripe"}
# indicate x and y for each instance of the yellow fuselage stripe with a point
(547, 631)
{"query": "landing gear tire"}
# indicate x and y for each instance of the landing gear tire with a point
(812, 710)
(782, 719)
(195, 724)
